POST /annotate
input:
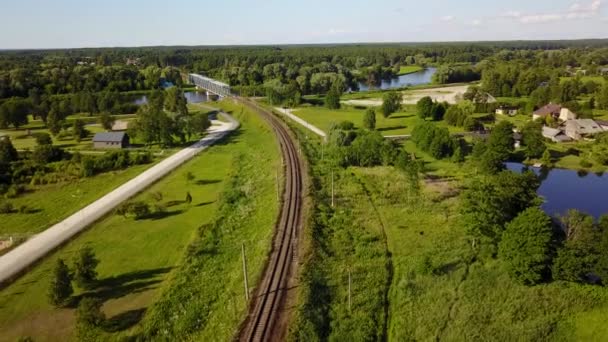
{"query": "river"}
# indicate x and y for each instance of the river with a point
(191, 97)
(417, 78)
(568, 189)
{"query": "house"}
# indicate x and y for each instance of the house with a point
(550, 109)
(517, 137)
(120, 125)
(604, 71)
(566, 114)
(582, 129)
(507, 110)
(111, 140)
(555, 134)
(603, 124)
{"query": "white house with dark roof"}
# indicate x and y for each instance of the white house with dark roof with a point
(111, 140)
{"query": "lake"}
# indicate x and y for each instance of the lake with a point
(569, 189)
(191, 97)
(417, 78)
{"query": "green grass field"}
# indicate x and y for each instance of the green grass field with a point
(397, 124)
(137, 257)
(409, 69)
(441, 288)
(52, 203)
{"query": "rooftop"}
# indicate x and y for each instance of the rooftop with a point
(109, 136)
(585, 126)
(551, 108)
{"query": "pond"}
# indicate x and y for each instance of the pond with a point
(191, 97)
(417, 78)
(568, 189)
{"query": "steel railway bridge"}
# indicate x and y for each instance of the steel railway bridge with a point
(210, 85)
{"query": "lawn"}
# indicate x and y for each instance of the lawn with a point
(409, 69)
(52, 203)
(137, 257)
(397, 124)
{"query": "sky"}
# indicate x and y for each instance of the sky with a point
(41, 24)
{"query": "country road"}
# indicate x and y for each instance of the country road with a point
(17, 260)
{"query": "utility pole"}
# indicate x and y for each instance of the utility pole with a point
(322, 152)
(349, 292)
(245, 272)
(332, 188)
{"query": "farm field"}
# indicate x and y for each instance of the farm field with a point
(138, 256)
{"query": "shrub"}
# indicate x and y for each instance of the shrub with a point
(6, 208)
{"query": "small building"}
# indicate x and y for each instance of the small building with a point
(111, 140)
(507, 110)
(603, 124)
(555, 134)
(603, 71)
(566, 114)
(550, 109)
(517, 137)
(582, 129)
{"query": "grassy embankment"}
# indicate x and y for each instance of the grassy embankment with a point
(409, 69)
(441, 288)
(138, 257)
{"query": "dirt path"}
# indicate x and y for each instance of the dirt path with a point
(444, 94)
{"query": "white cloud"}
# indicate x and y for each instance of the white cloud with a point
(539, 18)
(447, 18)
(476, 22)
(576, 11)
(334, 31)
(512, 14)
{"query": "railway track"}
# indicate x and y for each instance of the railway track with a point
(261, 324)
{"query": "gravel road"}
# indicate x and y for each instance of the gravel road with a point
(17, 260)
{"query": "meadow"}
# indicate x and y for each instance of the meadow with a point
(400, 123)
(415, 270)
(141, 260)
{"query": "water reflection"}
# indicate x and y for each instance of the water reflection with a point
(191, 97)
(569, 189)
(417, 78)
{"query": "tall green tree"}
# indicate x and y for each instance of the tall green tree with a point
(8, 153)
(78, 130)
(332, 98)
(424, 107)
(391, 103)
(106, 120)
(526, 246)
(60, 288)
(89, 319)
(54, 122)
(14, 112)
(369, 119)
(533, 140)
(85, 264)
(490, 202)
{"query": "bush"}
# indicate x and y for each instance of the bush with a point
(346, 126)
(6, 208)
(585, 163)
